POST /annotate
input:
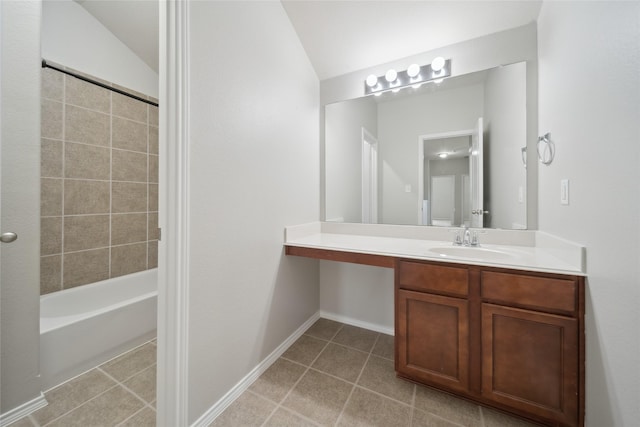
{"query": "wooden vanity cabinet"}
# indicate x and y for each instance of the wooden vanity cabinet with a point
(505, 338)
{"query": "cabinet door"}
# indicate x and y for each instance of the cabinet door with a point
(432, 339)
(530, 362)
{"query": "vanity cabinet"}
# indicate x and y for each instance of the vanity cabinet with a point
(509, 339)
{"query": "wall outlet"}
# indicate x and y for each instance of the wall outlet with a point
(407, 188)
(564, 191)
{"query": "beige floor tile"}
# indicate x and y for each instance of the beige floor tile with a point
(448, 407)
(343, 362)
(358, 338)
(108, 409)
(69, 395)
(369, 409)
(305, 350)
(425, 419)
(498, 419)
(24, 422)
(144, 384)
(145, 418)
(379, 375)
(248, 410)
(276, 382)
(318, 397)
(324, 329)
(384, 347)
(131, 363)
(285, 418)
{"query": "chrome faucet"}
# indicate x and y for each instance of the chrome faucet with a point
(466, 237)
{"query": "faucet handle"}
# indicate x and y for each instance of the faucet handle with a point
(457, 240)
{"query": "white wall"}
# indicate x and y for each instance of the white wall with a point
(254, 151)
(400, 123)
(507, 47)
(72, 37)
(20, 272)
(505, 96)
(343, 155)
(589, 56)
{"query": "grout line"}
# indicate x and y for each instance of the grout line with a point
(82, 404)
(301, 376)
(63, 172)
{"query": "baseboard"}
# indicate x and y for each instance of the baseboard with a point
(212, 413)
(23, 410)
(355, 322)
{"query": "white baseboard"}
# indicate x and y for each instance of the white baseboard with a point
(359, 323)
(23, 410)
(212, 413)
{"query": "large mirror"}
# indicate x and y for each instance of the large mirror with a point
(447, 154)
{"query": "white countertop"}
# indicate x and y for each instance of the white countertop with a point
(523, 250)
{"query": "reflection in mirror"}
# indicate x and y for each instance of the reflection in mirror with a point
(478, 120)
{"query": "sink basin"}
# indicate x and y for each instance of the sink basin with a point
(477, 253)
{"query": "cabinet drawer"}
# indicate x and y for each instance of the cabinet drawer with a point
(433, 278)
(540, 293)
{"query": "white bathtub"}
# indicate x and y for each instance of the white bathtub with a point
(82, 327)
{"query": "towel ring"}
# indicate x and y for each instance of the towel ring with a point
(547, 152)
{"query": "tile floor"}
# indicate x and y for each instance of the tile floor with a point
(340, 375)
(334, 375)
(121, 392)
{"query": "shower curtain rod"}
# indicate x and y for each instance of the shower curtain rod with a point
(97, 83)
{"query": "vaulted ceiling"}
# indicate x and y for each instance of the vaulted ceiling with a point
(343, 36)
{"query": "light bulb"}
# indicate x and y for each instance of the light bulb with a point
(413, 70)
(391, 75)
(437, 64)
(443, 155)
(372, 80)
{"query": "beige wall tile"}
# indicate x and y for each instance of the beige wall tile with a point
(129, 135)
(50, 158)
(51, 235)
(129, 108)
(128, 228)
(50, 196)
(128, 259)
(153, 197)
(51, 119)
(153, 168)
(52, 84)
(50, 274)
(152, 254)
(129, 166)
(80, 268)
(153, 115)
(86, 161)
(86, 197)
(86, 126)
(88, 95)
(153, 226)
(153, 140)
(86, 232)
(129, 197)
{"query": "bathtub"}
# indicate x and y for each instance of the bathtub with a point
(82, 327)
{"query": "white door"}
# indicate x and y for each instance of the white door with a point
(476, 176)
(369, 178)
(19, 202)
(443, 205)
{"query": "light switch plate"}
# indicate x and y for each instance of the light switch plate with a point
(564, 191)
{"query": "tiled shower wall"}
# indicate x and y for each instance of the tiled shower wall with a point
(99, 189)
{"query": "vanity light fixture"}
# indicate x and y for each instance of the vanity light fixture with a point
(414, 76)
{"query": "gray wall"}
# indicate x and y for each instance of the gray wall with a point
(589, 55)
(254, 169)
(505, 96)
(343, 154)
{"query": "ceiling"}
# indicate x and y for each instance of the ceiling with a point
(343, 36)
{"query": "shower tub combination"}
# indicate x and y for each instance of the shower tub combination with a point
(82, 327)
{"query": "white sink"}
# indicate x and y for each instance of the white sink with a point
(476, 253)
